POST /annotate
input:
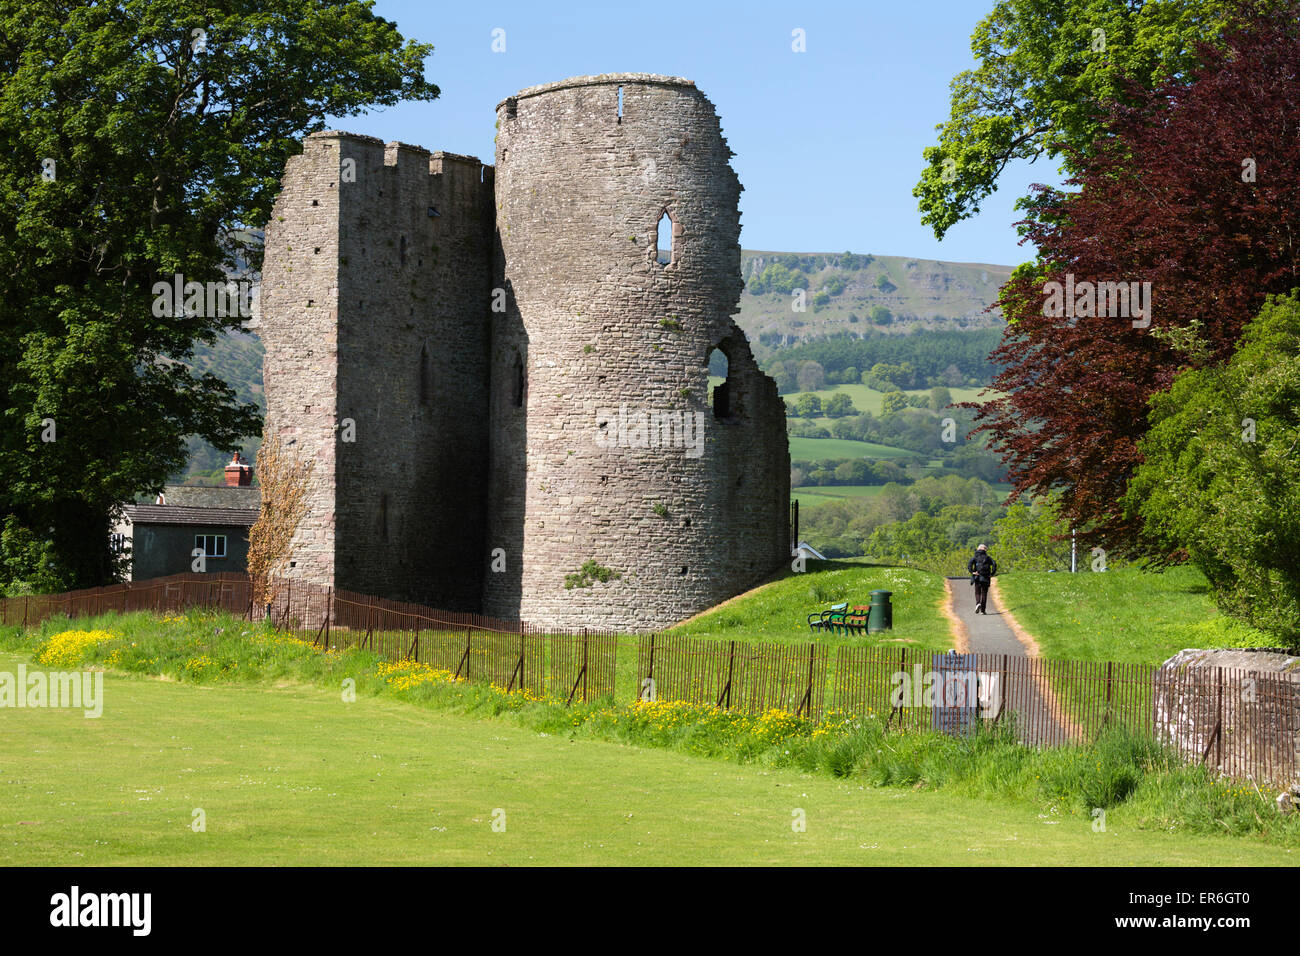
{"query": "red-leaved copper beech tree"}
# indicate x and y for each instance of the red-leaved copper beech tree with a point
(1196, 190)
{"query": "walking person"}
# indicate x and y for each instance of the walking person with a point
(982, 567)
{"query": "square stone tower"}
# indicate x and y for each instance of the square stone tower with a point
(375, 298)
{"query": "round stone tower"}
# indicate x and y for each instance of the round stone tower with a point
(624, 491)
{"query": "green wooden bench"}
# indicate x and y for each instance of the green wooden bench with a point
(841, 619)
(857, 620)
(828, 620)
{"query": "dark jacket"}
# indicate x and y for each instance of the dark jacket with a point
(982, 567)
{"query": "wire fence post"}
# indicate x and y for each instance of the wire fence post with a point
(464, 658)
(724, 699)
(1218, 722)
(519, 664)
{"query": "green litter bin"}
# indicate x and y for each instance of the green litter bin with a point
(882, 612)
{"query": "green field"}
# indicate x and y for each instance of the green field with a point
(289, 774)
(810, 496)
(868, 399)
(815, 449)
(1123, 614)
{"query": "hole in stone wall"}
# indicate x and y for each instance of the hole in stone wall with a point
(620, 104)
(683, 569)
(720, 394)
(664, 239)
(519, 381)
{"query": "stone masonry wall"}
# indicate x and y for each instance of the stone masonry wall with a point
(605, 335)
(527, 429)
(299, 305)
(375, 295)
(414, 292)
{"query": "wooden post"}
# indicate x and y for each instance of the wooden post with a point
(329, 606)
(1002, 690)
(464, 658)
(807, 695)
(519, 664)
(1218, 696)
(724, 699)
(902, 666)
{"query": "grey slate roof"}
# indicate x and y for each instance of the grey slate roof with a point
(180, 514)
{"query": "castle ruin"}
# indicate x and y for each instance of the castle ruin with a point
(501, 378)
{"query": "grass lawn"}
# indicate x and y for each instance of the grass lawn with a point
(815, 449)
(778, 611)
(291, 775)
(1122, 614)
(813, 495)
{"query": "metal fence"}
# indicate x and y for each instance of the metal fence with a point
(1243, 722)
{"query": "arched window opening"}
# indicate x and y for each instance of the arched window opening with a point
(720, 392)
(620, 104)
(424, 375)
(519, 382)
(664, 240)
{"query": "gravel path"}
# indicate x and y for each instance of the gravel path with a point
(989, 634)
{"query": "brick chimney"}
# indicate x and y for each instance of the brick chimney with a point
(238, 473)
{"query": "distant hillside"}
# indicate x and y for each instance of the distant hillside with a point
(846, 294)
(853, 293)
(237, 358)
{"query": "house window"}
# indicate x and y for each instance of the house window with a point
(117, 542)
(212, 545)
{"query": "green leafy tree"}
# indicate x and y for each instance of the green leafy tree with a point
(839, 405)
(1220, 478)
(1028, 537)
(808, 406)
(143, 139)
(811, 376)
(940, 398)
(891, 402)
(1043, 76)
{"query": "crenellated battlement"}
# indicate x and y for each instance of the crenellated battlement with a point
(441, 335)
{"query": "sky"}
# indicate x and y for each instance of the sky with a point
(828, 142)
